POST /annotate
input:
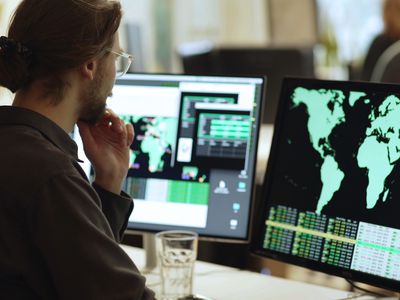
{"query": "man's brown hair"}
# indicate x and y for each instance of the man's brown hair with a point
(58, 35)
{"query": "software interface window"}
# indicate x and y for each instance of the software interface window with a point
(193, 157)
(331, 197)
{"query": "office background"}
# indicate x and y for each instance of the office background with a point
(340, 31)
(157, 31)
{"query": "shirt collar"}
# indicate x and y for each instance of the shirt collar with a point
(12, 115)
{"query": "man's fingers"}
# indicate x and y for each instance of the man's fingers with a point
(130, 134)
(115, 128)
(112, 121)
(85, 132)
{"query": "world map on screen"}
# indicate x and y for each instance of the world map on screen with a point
(154, 142)
(379, 147)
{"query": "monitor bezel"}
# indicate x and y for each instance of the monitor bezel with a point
(131, 230)
(256, 244)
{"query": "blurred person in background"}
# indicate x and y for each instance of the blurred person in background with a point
(390, 35)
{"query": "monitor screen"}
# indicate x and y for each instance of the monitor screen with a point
(332, 187)
(192, 161)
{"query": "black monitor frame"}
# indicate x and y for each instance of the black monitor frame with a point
(259, 227)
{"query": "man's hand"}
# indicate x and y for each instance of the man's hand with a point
(106, 144)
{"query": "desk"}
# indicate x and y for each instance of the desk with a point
(225, 283)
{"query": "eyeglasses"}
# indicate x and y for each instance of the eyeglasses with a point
(122, 62)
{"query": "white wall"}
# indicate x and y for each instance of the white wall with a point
(223, 22)
(140, 12)
(293, 22)
(227, 22)
(244, 22)
(6, 9)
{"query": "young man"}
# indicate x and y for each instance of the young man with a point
(58, 233)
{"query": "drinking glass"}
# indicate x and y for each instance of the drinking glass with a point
(177, 252)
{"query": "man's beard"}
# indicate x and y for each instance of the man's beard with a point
(92, 113)
(94, 101)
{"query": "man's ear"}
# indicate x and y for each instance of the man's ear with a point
(89, 69)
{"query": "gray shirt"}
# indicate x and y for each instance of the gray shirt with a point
(58, 234)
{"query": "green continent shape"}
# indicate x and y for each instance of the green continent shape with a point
(381, 148)
(325, 111)
(322, 119)
(355, 96)
(153, 147)
(331, 177)
(160, 134)
(167, 129)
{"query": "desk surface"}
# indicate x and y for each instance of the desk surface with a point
(225, 283)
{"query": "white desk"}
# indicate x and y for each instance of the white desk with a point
(225, 283)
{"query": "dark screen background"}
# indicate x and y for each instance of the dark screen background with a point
(294, 175)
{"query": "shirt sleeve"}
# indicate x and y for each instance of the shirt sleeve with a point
(117, 209)
(77, 244)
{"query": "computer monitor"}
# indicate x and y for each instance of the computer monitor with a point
(273, 62)
(193, 158)
(331, 192)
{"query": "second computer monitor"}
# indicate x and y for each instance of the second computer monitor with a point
(331, 193)
(192, 162)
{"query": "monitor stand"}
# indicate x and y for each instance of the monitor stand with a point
(149, 246)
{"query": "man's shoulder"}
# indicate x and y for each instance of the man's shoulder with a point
(28, 158)
(29, 144)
